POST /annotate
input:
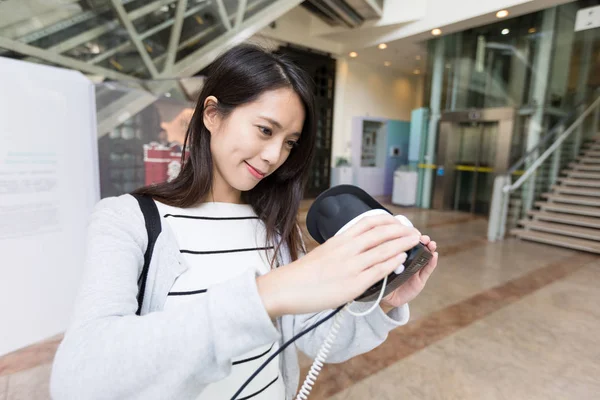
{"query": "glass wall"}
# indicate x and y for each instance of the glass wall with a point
(528, 61)
(141, 132)
(537, 64)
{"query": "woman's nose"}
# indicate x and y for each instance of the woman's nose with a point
(271, 152)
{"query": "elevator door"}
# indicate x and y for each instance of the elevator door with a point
(474, 177)
(473, 147)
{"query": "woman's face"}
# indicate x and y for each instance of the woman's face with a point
(254, 140)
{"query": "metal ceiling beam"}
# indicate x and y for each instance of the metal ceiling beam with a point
(92, 34)
(175, 35)
(109, 53)
(61, 60)
(148, 9)
(206, 54)
(83, 37)
(134, 102)
(98, 31)
(240, 13)
(170, 22)
(223, 14)
(144, 35)
(135, 38)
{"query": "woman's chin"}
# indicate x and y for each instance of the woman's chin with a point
(246, 186)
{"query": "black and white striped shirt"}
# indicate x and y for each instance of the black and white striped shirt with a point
(220, 241)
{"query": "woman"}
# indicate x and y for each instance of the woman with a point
(226, 285)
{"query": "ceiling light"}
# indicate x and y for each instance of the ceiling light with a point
(532, 30)
(436, 32)
(382, 46)
(387, 63)
(417, 71)
(353, 54)
(502, 13)
(167, 94)
(505, 31)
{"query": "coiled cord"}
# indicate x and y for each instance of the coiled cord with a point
(319, 361)
(286, 344)
(323, 352)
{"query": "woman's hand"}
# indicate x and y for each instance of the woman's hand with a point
(413, 286)
(339, 270)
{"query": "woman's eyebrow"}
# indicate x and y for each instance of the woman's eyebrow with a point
(272, 121)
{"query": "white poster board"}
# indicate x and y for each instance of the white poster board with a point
(48, 186)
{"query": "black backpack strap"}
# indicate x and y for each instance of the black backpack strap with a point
(153, 229)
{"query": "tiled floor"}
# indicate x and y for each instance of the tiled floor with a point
(507, 320)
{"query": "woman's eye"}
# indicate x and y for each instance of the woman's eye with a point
(292, 144)
(265, 130)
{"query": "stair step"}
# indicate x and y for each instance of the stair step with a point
(588, 160)
(579, 210)
(558, 240)
(562, 229)
(592, 153)
(575, 190)
(584, 167)
(589, 222)
(581, 174)
(579, 182)
(581, 200)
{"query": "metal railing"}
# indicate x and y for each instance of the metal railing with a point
(503, 185)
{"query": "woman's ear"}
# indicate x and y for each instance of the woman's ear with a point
(211, 117)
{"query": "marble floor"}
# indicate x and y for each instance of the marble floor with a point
(507, 320)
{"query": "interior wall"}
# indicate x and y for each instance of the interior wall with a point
(365, 90)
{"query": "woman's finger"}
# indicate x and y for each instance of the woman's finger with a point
(432, 246)
(386, 251)
(377, 272)
(379, 235)
(368, 223)
(425, 240)
(427, 270)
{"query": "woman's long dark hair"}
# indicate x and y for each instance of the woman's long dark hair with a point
(237, 77)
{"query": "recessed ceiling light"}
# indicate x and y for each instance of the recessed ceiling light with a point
(502, 13)
(417, 71)
(418, 57)
(532, 30)
(382, 46)
(167, 94)
(387, 63)
(353, 54)
(436, 32)
(505, 31)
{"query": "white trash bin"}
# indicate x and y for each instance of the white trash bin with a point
(404, 192)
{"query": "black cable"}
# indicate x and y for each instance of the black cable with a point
(286, 344)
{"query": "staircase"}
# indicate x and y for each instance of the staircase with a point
(570, 215)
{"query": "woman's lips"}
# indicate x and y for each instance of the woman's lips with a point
(254, 172)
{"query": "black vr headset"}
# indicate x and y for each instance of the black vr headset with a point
(340, 207)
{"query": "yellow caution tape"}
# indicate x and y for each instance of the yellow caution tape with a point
(473, 169)
(427, 166)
